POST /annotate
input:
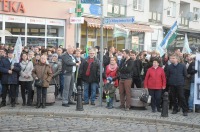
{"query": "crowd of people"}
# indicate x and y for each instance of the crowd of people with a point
(123, 70)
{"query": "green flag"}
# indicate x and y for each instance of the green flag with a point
(86, 51)
(172, 38)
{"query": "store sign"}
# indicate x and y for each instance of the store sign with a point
(16, 19)
(76, 20)
(55, 22)
(13, 6)
(35, 20)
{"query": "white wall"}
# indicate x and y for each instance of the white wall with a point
(194, 24)
(147, 41)
(168, 20)
(156, 6)
(140, 16)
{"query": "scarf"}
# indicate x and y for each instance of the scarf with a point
(112, 67)
(90, 60)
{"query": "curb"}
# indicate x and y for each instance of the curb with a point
(99, 116)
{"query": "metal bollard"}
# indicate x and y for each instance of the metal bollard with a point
(79, 104)
(165, 104)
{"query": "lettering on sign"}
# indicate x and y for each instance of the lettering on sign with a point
(13, 6)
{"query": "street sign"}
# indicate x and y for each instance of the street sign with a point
(76, 20)
(91, 1)
(95, 10)
(119, 20)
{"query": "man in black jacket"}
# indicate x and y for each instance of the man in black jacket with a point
(176, 74)
(125, 71)
(136, 70)
(69, 64)
(90, 75)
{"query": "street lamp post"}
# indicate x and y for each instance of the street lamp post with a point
(101, 57)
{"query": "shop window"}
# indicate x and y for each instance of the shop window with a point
(35, 30)
(55, 31)
(10, 40)
(53, 42)
(35, 41)
(16, 28)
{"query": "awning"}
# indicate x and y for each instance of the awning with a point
(96, 23)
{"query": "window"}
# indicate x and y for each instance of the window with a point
(196, 12)
(138, 5)
(116, 9)
(171, 11)
(35, 30)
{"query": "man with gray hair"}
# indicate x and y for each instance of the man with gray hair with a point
(69, 64)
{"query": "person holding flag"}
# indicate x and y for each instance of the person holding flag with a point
(10, 72)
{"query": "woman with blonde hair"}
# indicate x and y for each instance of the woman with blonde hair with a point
(42, 73)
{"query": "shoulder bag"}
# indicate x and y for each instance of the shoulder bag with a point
(39, 81)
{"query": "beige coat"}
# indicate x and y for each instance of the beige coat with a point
(39, 70)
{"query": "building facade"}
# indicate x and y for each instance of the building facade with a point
(38, 22)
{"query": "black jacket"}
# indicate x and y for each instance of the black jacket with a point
(80, 67)
(6, 77)
(176, 74)
(94, 71)
(125, 69)
(67, 63)
(137, 68)
(191, 70)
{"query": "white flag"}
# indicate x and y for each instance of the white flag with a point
(186, 48)
(17, 50)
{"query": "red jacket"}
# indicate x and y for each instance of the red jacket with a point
(155, 78)
(113, 74)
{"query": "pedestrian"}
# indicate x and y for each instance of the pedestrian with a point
(109, 90)
(69, 64)
(10, 73)
(56, 68)
(125, 71)
(155, 81)
(90, 74)
(26, 79)
(42, 71)
(176, 74)
(136, 70)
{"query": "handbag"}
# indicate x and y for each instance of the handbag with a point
(145, 97)
(39, 82)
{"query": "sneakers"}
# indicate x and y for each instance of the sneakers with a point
(92, 103)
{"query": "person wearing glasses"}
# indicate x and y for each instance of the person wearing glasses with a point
(90, 76)
(56, 68)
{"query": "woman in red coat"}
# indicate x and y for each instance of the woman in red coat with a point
(111, 71)
(155, 81)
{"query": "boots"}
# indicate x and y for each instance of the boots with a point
(43, 103)
(38, 102)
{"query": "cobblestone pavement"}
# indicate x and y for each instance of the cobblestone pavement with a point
(47, 123)
(57, 110)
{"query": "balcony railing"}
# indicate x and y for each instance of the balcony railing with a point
(184, 22)
(155, 17)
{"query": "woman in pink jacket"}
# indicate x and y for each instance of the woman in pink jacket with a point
(155, 81)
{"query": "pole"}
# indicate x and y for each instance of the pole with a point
(101, 53)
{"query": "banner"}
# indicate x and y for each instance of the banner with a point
(162, 47)
(17, 50)
(186, 48)
(197, 80)
(119, 31)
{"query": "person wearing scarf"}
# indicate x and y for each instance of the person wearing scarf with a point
(111, 71)
(90, 75)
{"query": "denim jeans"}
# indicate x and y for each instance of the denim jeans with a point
(61, 83)
(93, 91)
(110, 103)
(155, 98)
(0, 88)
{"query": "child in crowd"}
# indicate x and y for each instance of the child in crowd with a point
(109, 90)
